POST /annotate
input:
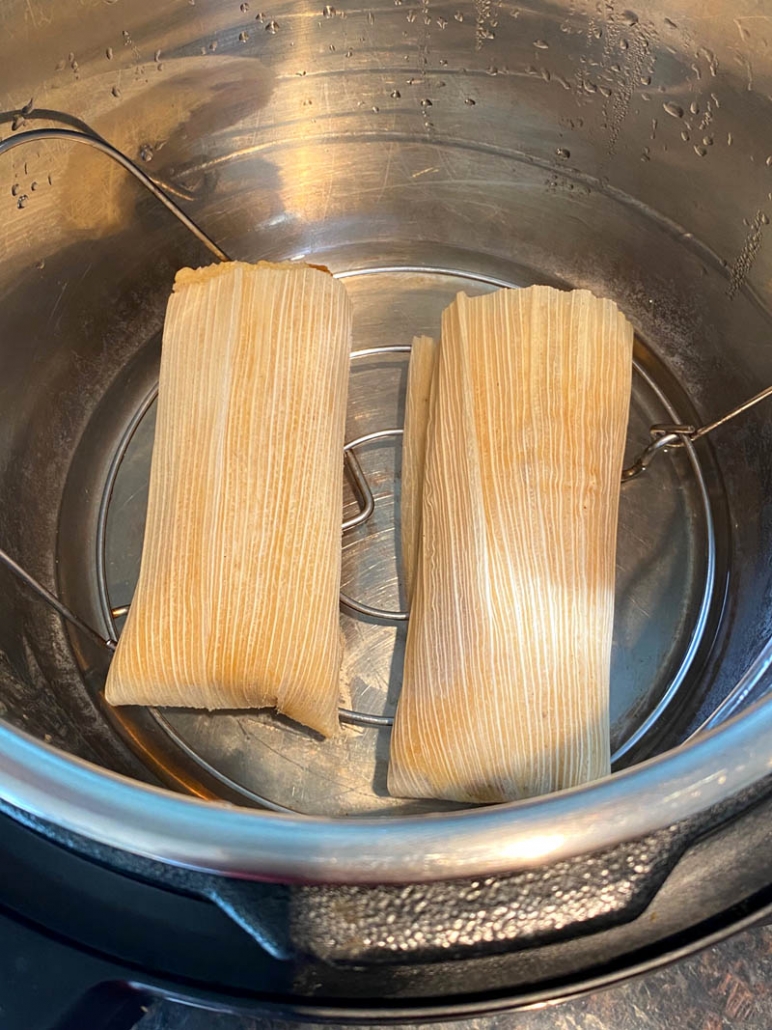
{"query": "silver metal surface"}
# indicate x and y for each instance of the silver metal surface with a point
(673, 436)
(220, 838)
(415, 150)
(68, 136)
(51, 599)
(747, 687)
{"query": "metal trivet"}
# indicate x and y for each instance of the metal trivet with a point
(664, 437)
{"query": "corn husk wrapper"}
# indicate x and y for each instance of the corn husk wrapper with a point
(506, 683)
(237, 600)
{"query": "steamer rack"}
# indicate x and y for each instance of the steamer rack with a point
(675, 437)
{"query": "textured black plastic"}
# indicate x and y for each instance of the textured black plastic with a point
(430, 921)
(390, 953)
(121, 933)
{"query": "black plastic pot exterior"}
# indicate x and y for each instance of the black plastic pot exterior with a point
(124, 928)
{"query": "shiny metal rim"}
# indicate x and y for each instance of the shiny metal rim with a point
(218, 838)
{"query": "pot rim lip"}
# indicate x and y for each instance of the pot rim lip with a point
(46, 784)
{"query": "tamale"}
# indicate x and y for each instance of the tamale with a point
(237, 600)
(419, 379)
(506, 682)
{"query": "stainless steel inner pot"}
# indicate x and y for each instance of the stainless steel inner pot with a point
(416, 149)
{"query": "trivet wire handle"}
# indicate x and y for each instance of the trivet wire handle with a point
(666, 435)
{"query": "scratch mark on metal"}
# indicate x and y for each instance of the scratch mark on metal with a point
(55, 308)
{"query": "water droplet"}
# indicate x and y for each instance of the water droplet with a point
(109, 53)
(729, 139)
(329, 11)
(146, 152)
(694, 107)
(15, 189)
(442, 22)
(157, 56)
(673, 110)
(243, 37)
(375, 109)
(116, 92)
(349, 53)
(616, 68)
(604, 91)
(33, 185)
(670, 23)
(646, 80)
(764, 219)
(22, 201)
(629, 18)
(272, 27)
(213, 45)
(700, 151)
(370, 18)
(470, 102)
(395, 93)
(769, 161)
(563, 153)
(411, 16)
(541, 44)
(707, 141)
(623, 44)
(645, 156)
(459, 16)
(332, 47)
(260, 16)
(685, 136)
(244, 7)
(590, 87)
(426, 102)
(40, 265)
